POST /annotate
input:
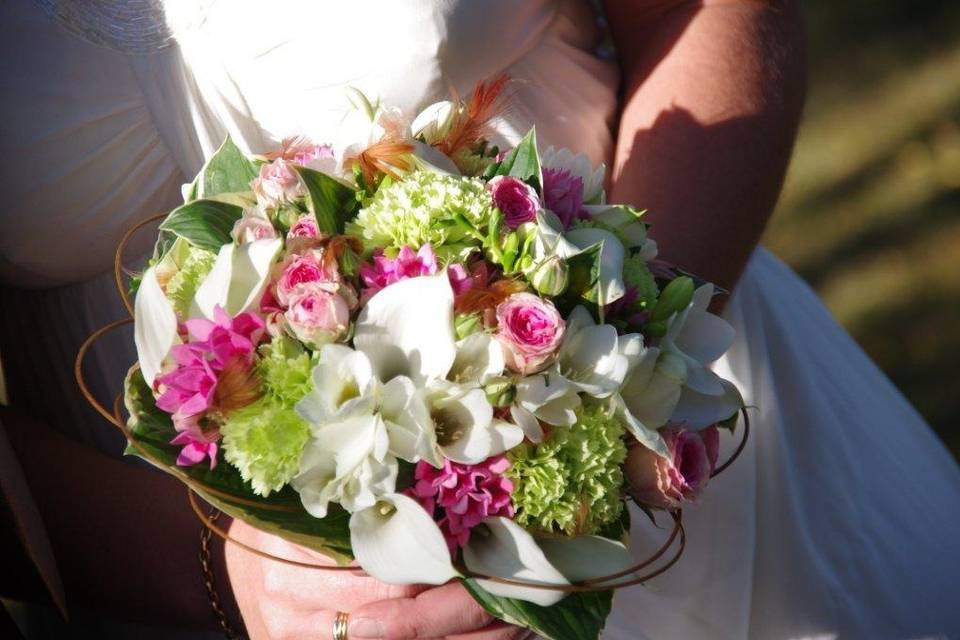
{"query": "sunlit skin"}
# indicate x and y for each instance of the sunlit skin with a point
(712, 93)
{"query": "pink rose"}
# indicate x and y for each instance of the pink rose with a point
(667, 484)
(305, 227)
(563, 194)
(302, 269)
(277, 184)
(252, 225)
(516, 200)
(530, 330)
(317, 316)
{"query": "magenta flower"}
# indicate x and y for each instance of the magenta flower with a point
(196, 443)
(563, 194)
(516, 200)
(462, 495)
(385, 271)
(188, 389)
(226, 338)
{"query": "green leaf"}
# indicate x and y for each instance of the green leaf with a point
(585, 273)
(203, 223)
(227, 171)
(281, 514)
(522, 162)
(331, 202)
(579, 616)
(674, 298)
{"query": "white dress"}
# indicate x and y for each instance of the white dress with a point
(840, 520)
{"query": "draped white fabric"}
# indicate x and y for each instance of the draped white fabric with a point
(841, 519)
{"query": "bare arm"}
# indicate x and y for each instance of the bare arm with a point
(712, 93)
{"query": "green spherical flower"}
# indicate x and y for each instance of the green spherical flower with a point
(184, 283)
(572, 481)
(637, 275)
(285, 368)
(264, 442)
(425, 207)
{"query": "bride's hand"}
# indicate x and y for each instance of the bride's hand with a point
(280, 601)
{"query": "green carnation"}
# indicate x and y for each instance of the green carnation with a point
(571, 482)
(183, 285)
(426, 207)
(285, 368)
(264, 442)
(637, 275)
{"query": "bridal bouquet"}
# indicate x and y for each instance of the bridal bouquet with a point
(431, 356)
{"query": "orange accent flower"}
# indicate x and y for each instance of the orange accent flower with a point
(482, 297)
(486, 103)
(388, 157)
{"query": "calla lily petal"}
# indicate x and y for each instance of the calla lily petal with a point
(155, 326)
(586, 557)
(237, 279)
(397, 542)
(503, 549)
(407, 329)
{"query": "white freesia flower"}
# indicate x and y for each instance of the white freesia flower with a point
(465, 428)
(478, 360)
(546, 396)
(594, 358)
(578, 165)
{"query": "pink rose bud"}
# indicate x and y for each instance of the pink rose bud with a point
(302, 269)
(305, 227)
(563, 194)
(667, 484)
(516, 200)
(252, 225)
(317, 316)
(530, 329)
(277, 184)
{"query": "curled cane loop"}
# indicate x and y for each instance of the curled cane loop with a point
(739, 450)
(118, 259)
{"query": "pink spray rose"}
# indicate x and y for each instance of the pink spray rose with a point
(467, 493)
(563, 194)
(667, 484)
(530, 329)
(384, 271)
(305, 227)
(252, 225)
(277, 184)
(299, 270)
(516, 200)
(317, 315)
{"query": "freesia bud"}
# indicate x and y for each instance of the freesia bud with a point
(551, 276)
(500, 392)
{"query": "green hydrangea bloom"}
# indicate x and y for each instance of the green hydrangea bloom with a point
(184, 283)
(264, 442)
(572, 481)
(422, 208)
(285, 368)
(637, 275)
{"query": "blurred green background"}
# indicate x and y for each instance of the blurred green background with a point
(870, 214)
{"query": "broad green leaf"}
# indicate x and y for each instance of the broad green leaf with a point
(585, 273)
(151, 432)
(579, 616)
(331, 202)
(203, 223)
(227, 171)
(522, 162)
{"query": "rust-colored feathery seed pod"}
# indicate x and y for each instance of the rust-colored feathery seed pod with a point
(387, 157)
(481, 297)
(337, 246)
(485, 103)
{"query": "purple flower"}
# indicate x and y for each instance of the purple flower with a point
(563, 194)
(516, 200)
(466, 494)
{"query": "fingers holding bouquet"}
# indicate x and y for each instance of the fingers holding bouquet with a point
(429, 356)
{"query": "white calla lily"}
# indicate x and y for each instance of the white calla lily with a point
(238, 278)
(396, 541)
(155, 326)
(586, 557)
(503, 549)
(407, 329)
(346, 461)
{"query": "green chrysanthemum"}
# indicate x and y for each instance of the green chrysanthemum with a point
(264, 442)
(183, 285)
(285, 368)
(425, 207)
(572, 481)
(637, 275)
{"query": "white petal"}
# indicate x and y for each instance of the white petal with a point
(700, 378)
(586, 557)
(699, 410)
(237, 279)
(155, 326)
(527, 422)
(470, 416)
(647, 436)
(611, 260)
(651, 393)
(479, 358)
(431, 159)
(590, 359)
(561, 411)
(502, 549)
(705, 337)
(407, 329)
(341, 375)
(409, 426)
(549, 239)
(618, 217)
(397, 542)
(549, 396)
(579, 319)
